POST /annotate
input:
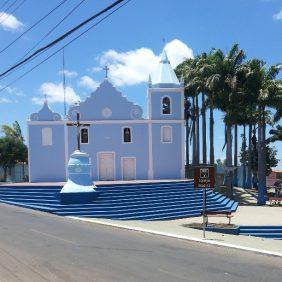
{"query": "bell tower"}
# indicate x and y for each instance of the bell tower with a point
(166, 123)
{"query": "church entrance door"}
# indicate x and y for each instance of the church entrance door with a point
(128, 168)
(106, 166)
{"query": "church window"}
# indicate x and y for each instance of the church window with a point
(46, 136)
(84, 136)
(166, 134)
(126, 135)
(166, 106)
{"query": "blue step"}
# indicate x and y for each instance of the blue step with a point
(143, 201)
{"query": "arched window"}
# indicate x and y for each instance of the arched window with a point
(126, 135)
(84, 136)
(166, 106)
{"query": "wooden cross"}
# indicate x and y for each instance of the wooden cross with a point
(78, 124)
(106, 68)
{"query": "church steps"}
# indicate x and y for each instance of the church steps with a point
(133, 203)
(146, 201)
(136, 213)
(136, 208)
(103, 195)
(133, 207)
(106, 193)
(127, 200)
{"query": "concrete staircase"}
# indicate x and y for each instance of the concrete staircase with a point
(270, 232)
(142, 201)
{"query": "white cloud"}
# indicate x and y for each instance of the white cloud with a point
(133, 67)
(278, 16)
(55, 93)
(9, 22)
(4, 100)
(87, 82)
(177, 52)
(68, 74)
(12, 91)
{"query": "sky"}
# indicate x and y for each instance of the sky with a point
(129, 42)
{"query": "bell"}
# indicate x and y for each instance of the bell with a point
(79, 188)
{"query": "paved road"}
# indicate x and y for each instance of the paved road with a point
(41, 247)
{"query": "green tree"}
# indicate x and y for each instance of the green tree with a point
(276, 134)
(12, 148)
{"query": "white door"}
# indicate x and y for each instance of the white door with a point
(106, 166)
(129, 168)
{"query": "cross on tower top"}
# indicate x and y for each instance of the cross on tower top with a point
(106, 68)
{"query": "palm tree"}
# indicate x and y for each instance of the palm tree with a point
(270, 96)
(228, 100)
(276, 134)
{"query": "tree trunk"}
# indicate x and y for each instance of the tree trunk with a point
(244, 156)
(23, 171)
(229, 172)
(235, 177)
(261, 166)
(249, 175)
(194, 133)
(197, 132)
(5, 173)
(211, 136)
(187, 140)
(204, 130)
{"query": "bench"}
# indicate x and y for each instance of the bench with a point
(275, 200)
(218, 214)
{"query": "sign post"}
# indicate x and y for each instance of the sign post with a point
(204, 177)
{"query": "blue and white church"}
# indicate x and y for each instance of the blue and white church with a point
(121, 143)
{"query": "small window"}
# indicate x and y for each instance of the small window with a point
(46, 136)
(84, 135)
(126, 135)
(166, 107)
(166, 134)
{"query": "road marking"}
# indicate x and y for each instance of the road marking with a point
(52, 236)
(171, 235)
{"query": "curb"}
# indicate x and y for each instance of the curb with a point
(171, 235)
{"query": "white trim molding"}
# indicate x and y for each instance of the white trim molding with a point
(28, 155)
(121, 122)
(150, 165)
(183, 155)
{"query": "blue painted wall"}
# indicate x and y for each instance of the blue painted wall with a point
(108, 112)
(46, 163)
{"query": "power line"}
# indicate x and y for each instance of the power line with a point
(35, 24)
(4, 4)
(13, 11)
(56, 41)
(54, 53)
(7, 9)
(45, 36)
(50, 31)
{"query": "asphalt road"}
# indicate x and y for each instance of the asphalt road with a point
(36, 246)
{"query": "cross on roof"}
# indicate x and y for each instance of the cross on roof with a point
(106, 68)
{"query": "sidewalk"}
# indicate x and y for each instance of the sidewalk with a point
(246, 215)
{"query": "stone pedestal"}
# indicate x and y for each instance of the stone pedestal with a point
(79, 188)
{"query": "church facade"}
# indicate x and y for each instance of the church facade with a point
(121, 143)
